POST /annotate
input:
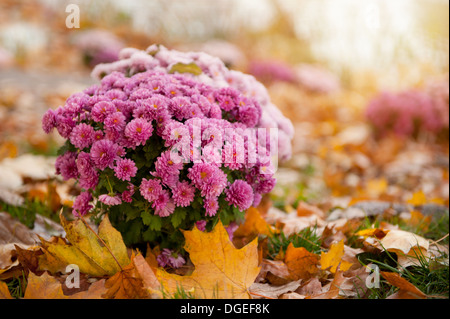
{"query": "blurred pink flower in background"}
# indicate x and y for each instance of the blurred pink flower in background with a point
(272, 71)
(6, 58)
(98, 46)
(410, 112)
(317, 79)
(439, 93)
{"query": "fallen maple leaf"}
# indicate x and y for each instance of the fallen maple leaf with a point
(92, 256)
(406, 289)
(333, 258)
(221, 270)
(135, 281)
(301, 263)
(48, 287)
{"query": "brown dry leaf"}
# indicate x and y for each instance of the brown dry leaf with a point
(29, 258)
(301, 263)
(48, 287)
(311, 287)
(274, 271)
(128, 283)
(333, 258)
(221, 270)
(273, 292)
(406, 289)
(304, 209)
(151, 256)
(12, 231)
(4, 291)
(147, 274)
(86, 250)
(408, 246)
(331, 291)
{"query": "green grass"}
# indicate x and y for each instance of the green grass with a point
(307, 238)
(26, 213)
(429, 276)
(17, 286)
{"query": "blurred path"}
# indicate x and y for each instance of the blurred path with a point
(35, 80)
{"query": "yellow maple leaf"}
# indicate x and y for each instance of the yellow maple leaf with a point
(86, 250)
(221, 270)
(333, 258)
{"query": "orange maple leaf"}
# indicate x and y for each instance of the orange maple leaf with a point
(221, 270)
(301, 263)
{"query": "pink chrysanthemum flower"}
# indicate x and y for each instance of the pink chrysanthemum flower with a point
(81, 204)
(209, 178)
(102, 109)
(170, 258)
(176, 260)
(138, 131)
(115, 121)
(88, 174)
(163, 205)
(110, 200)
(150, 189)
(82, 136)
(128, 194)
(66, 165)
(125, 169)
(98, 135)
(89, 181)
(240, 195)
(201, 225)
(49, 121)
(104, 153)
(211, 206)
(183, 194)
(168, 168)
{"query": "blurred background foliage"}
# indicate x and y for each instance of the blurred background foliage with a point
(397, 39)
(322, 61)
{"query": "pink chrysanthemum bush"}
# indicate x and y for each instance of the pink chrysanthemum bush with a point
(411, 112)
(163, 146)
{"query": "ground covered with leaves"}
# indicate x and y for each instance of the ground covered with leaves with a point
(354, 214)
